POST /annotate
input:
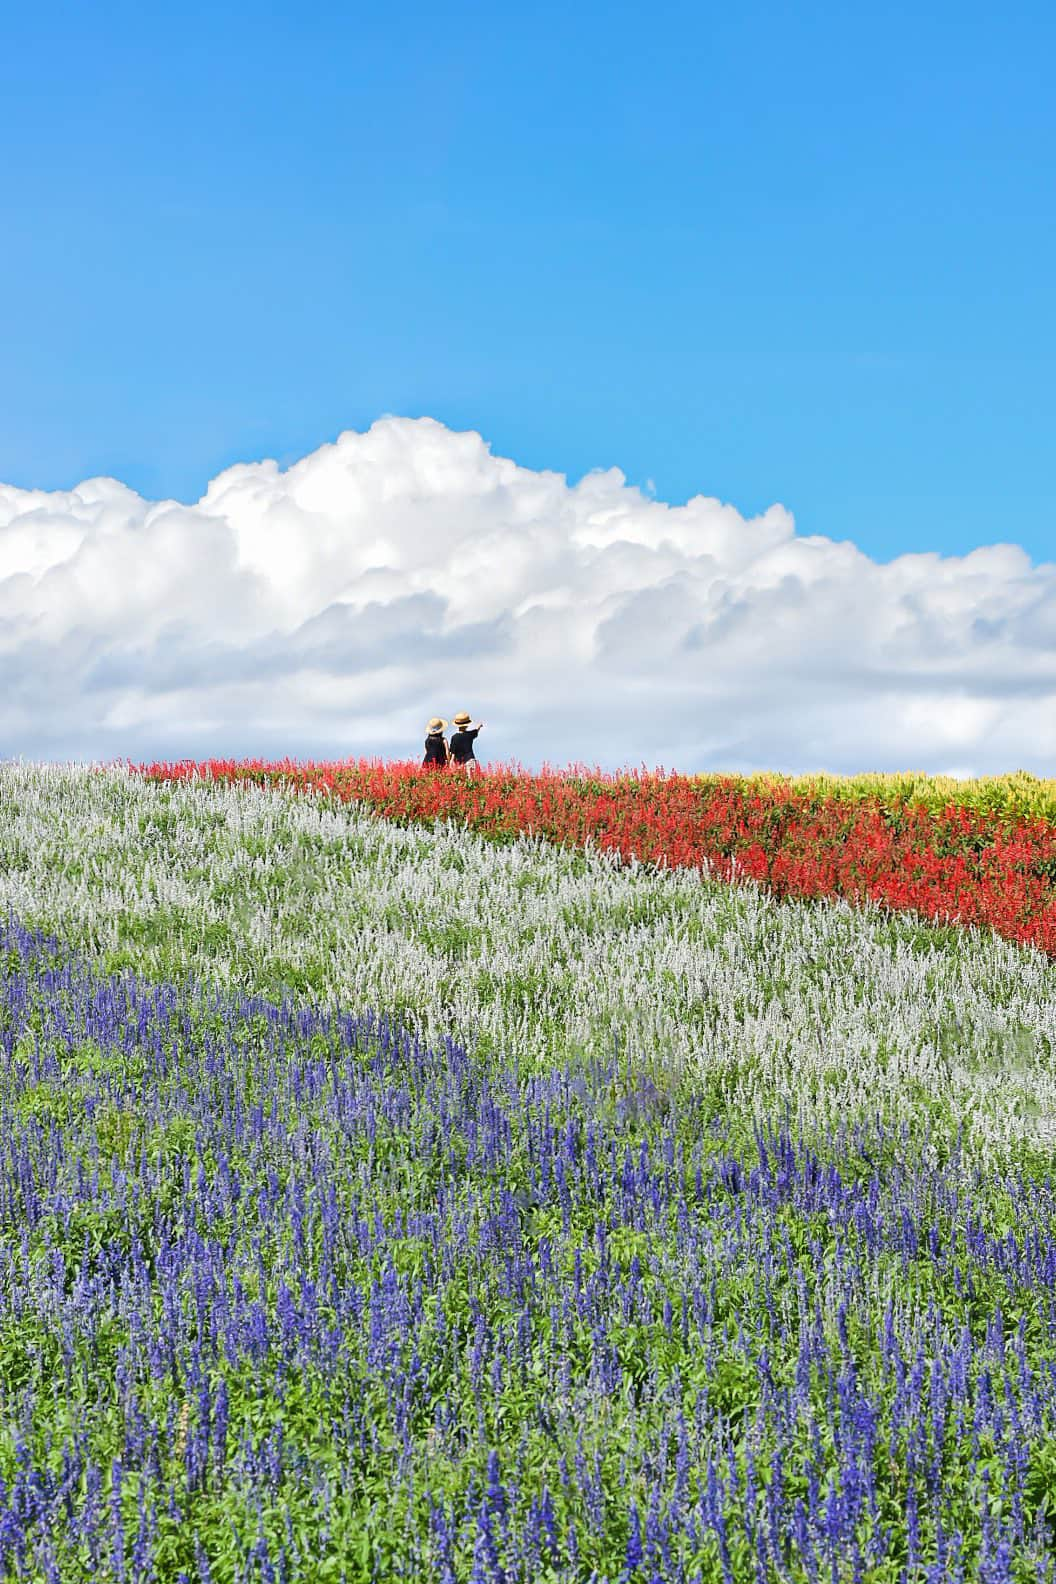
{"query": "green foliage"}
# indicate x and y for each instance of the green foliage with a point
(1019, 795)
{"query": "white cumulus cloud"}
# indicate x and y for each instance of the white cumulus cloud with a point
(330, 608)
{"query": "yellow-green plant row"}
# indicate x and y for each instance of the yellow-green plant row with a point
(1019, 795)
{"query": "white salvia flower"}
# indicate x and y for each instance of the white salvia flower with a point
(539, 954)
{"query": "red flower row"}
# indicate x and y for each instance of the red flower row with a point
(959, 866)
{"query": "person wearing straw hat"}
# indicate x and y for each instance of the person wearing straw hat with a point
(462, 742)
(437, 753)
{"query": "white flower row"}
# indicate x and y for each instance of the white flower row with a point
(537, 954)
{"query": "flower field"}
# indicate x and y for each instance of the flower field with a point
(382, 1200)
(896, 842)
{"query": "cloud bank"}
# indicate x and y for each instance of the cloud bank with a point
(330, 608)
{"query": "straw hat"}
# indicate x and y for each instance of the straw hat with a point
(436, 725)
(462, 718)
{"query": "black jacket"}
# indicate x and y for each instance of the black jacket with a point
(462, 745)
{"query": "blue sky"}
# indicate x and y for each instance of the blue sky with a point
(768, 253)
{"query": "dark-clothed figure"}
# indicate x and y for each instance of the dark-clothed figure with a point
(436, 750)
(462, 741)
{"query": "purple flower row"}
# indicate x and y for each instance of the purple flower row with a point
(281, 1286)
